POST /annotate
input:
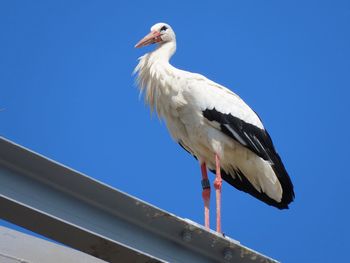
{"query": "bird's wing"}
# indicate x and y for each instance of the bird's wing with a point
(229, 113)
(236, 119)
(250, 136)
(209, 95)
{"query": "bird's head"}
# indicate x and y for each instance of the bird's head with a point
(160, 33)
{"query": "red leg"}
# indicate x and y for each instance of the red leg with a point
(205, 194)
(218, 185)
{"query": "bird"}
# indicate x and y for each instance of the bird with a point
(214, 125)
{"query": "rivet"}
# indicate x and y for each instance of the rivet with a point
(186, 236)
(228, 254)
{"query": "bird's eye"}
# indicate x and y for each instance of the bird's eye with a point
(163, 28)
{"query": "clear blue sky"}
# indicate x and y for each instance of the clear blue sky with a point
(67, 93)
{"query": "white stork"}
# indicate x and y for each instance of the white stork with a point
(214, 125)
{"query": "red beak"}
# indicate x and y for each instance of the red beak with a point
(151, 38)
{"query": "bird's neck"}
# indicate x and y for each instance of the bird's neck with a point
(164, 51)
(155, 73)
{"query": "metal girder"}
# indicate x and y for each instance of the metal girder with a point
(69, 207)
(23, 248)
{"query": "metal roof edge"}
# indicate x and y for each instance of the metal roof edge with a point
(101, 220)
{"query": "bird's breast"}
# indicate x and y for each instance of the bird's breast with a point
(170, 92)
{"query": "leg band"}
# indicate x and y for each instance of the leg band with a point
(205, 184)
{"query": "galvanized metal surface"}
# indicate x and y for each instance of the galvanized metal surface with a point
(19, 247)
(67, 206)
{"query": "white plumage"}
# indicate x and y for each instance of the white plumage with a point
(208, 119)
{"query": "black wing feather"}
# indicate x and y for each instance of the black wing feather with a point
(240, 182)
(259, 142)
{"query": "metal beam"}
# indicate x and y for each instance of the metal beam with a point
(19, 247)
(65, 205)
